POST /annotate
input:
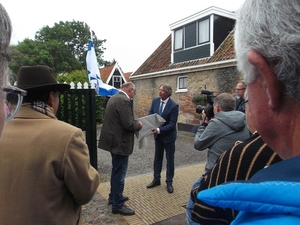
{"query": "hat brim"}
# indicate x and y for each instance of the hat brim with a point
(50, 87)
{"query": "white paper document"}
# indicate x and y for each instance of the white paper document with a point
(149, 122)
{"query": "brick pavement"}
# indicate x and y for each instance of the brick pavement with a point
(152, 206)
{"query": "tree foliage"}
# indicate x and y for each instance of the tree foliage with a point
(63, 47)
(53, 54)
(75, 76)
(75, 36)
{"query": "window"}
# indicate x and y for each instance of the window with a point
(203, 31)
(116, 81)
(178, 39)
(192, 34)
(182, 83)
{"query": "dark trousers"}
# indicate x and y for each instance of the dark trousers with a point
(117, 180)
(158, 160)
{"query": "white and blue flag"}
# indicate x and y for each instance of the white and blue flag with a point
(101, 88)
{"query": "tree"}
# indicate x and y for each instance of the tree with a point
(63, 47)
(52, 53)
(75, 76)
(109, 63)
(76, 36)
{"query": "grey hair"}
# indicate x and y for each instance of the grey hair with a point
(246, 95)
(128, 85)
(225, 101)
(271, 28)
(167, 88)
(243, 83)
(5, 35)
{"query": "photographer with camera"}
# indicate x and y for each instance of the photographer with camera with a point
(221, 127)
(220, 132)
(207, 113)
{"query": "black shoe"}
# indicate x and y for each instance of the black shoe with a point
(170, 188)
(125, 198)
(124, 210)
(154, 183)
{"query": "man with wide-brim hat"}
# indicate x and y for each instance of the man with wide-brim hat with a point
(39, 82)
(39, 78)
(46, 174)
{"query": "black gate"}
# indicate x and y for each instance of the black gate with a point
(78, 107)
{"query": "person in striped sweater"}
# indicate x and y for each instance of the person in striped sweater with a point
(240, 162)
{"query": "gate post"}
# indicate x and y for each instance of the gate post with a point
(91, 131)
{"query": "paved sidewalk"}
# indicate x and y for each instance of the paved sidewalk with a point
(152, 206)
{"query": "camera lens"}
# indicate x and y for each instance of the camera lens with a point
(200, 108)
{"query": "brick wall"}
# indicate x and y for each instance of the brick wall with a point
(219, 80)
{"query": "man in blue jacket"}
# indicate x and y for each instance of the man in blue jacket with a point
(267, 46)
(165, 136)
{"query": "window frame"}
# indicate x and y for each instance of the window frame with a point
(177, 36)
(179, 86)
(116, 79)
(207, 20)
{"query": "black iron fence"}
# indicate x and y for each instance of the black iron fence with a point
(83, 109)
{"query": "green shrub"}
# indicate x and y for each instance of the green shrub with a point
(199, 99)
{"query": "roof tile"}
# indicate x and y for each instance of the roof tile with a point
(105, 72)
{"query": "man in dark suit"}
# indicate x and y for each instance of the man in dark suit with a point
(117, 137)
(165, 136)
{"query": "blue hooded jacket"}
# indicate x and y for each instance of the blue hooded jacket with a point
(271, 196)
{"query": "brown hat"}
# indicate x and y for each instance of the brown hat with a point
(39, 78)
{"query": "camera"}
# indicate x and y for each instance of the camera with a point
(209, 108)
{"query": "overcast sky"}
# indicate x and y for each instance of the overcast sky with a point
(133, 28)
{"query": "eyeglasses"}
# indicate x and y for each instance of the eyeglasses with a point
(13, 101)
(239, 89)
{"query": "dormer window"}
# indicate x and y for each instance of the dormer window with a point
(178, 39)
(187, 36)
(203, 31)
(198, 36)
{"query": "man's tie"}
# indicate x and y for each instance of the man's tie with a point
(161, 108)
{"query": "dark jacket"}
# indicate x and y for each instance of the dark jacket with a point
(168, 132)
(240, 162)
(240, 104)
(117, 133)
